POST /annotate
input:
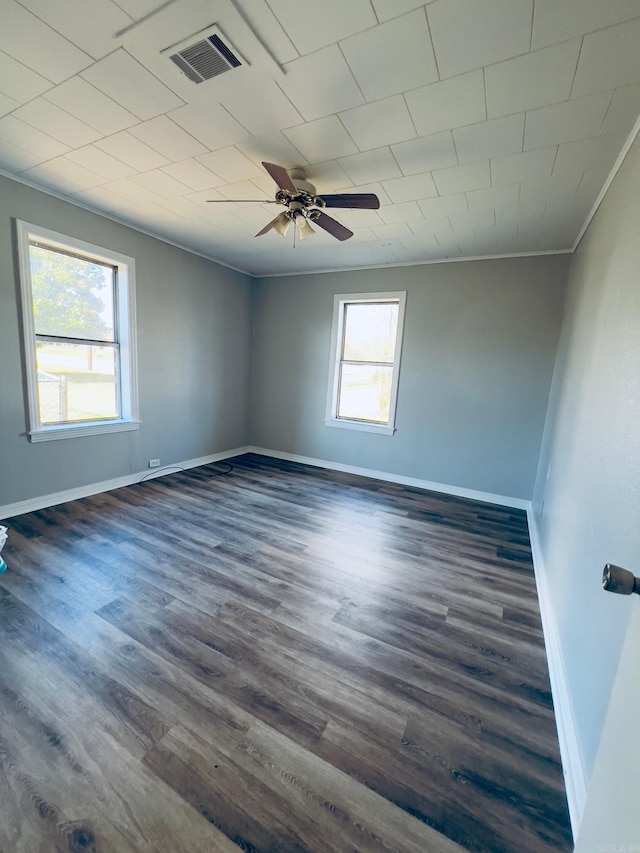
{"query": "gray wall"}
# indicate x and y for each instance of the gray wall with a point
(479, 347)
(194, 328)
(588, 510)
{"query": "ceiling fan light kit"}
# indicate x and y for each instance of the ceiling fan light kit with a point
(304, 205)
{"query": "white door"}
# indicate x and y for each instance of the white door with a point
(611, 819)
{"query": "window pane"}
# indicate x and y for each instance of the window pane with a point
(370, 331)
(76, 382)
(365, 392)
(72, 298)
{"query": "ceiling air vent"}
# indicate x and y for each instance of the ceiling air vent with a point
(206, 58)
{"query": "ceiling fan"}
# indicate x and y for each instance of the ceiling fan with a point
(304, 206)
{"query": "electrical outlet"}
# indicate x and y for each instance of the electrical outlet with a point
(154, 463)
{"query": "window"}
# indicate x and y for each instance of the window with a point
(366, 343)
(78, 321)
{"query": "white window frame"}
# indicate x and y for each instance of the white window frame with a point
(126, 333)
(340, 301)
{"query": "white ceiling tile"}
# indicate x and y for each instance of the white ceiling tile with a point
(213, 126)
(244, 190)
(274, 148)
(503, 233)
(183, 207)
(214, 206)
(132, 151)
(375, 188)
(468, 35)
(92, 28)
(573, 211)
(448, 104)
(594, 153)
(193, 174)
(434, 208)
(362, 234)
(91, 106)
(493, 197)
(410, 188)
(555, 22)
(434, 226)
(320, 84)
(151, 215)
(139, 8)
(322, 139)
(50, 119)
(128, 189)
(533, 80)
(102, 199)
(475, 176)
(70, 176)
(484, 218)
(100, 162)
(7, 105)
(19, 82)
(528, 166)
(311, 25)
(122, 78)
(623, 111)
(271, 31)
(565, 122)
(254, 214)
(529, 212)
(30, 138)
(166, 137)
(160, 183)
(14, 159)
(231, 165)
(527, 239)
(558, 187)
(394, 231)
(426, 153)
(591, 184)
(376, 165)
(378, 124)
(264, 110)
(416, 66)
(327, 176)
(493, 138)
(450, 248)
(360, 218)
(33, 43)
(608, 59)
(407, 211)
(387, 9)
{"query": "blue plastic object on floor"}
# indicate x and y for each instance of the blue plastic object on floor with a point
(3, 565)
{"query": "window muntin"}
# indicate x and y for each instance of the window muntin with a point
(79, 333)
(367, 337)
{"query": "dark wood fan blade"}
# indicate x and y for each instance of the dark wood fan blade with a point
(356, 201)
(241, 201)
(332, 226)
(281, 177)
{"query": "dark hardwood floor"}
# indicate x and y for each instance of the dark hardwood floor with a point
(279, 658)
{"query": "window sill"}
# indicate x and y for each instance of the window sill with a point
(342, 423)
(102, 428)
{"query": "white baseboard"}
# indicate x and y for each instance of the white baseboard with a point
(570, 752)
(428, 485)
(33, 504)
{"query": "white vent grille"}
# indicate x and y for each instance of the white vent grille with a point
(207, 58)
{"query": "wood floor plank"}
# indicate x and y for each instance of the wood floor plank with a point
(278, 658)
